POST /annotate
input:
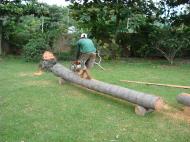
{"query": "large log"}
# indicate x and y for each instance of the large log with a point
(142, 99)
(184, 98)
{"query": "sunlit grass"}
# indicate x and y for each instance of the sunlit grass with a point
(38, 109)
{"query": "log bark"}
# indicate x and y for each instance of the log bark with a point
(184, 99)
(147, 101)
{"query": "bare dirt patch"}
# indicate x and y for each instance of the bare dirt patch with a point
(183, 114)
(25, 74)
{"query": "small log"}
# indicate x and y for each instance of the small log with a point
(139, 110)
(61, 81)
(184, 99)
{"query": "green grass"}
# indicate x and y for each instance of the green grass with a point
(38, 109)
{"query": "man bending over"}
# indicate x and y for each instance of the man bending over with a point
(86, 54)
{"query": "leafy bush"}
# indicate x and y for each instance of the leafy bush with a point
(34, 49)
(170, 41)
(66, 56)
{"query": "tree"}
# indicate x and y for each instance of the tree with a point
(6, 9)
(55, 23)
(170, 34)
(14, 9)
(29, 19)
(107, 20)
(170, 41)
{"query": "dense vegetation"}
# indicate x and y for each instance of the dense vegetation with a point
(136, 28)
(122, 28)
(30, 27)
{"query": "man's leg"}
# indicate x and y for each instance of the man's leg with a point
(84, 61)
(90, 63)
(91, 60)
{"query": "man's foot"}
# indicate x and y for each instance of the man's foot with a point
(86, 75)
(89, 77)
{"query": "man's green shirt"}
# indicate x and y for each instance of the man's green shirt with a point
(86, 45)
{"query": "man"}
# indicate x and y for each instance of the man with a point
(86, 54)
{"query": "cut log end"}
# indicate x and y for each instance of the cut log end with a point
(159, 104)
(139, 110)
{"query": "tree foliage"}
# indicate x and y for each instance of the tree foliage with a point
(135, 28)
(106, 20)
(34, 49)
(23, 21)
(120, 28)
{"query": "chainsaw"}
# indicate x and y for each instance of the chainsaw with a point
(75, 66)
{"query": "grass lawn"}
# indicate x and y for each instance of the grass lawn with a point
(38, 109)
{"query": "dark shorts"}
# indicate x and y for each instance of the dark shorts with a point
(87, 60)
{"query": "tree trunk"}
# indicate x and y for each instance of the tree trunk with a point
(142, 99)
(184, 98)
(1, 24)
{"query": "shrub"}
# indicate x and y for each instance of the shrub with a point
(34, 49)
(66, 56)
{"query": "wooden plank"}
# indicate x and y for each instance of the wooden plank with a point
(157, 84)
